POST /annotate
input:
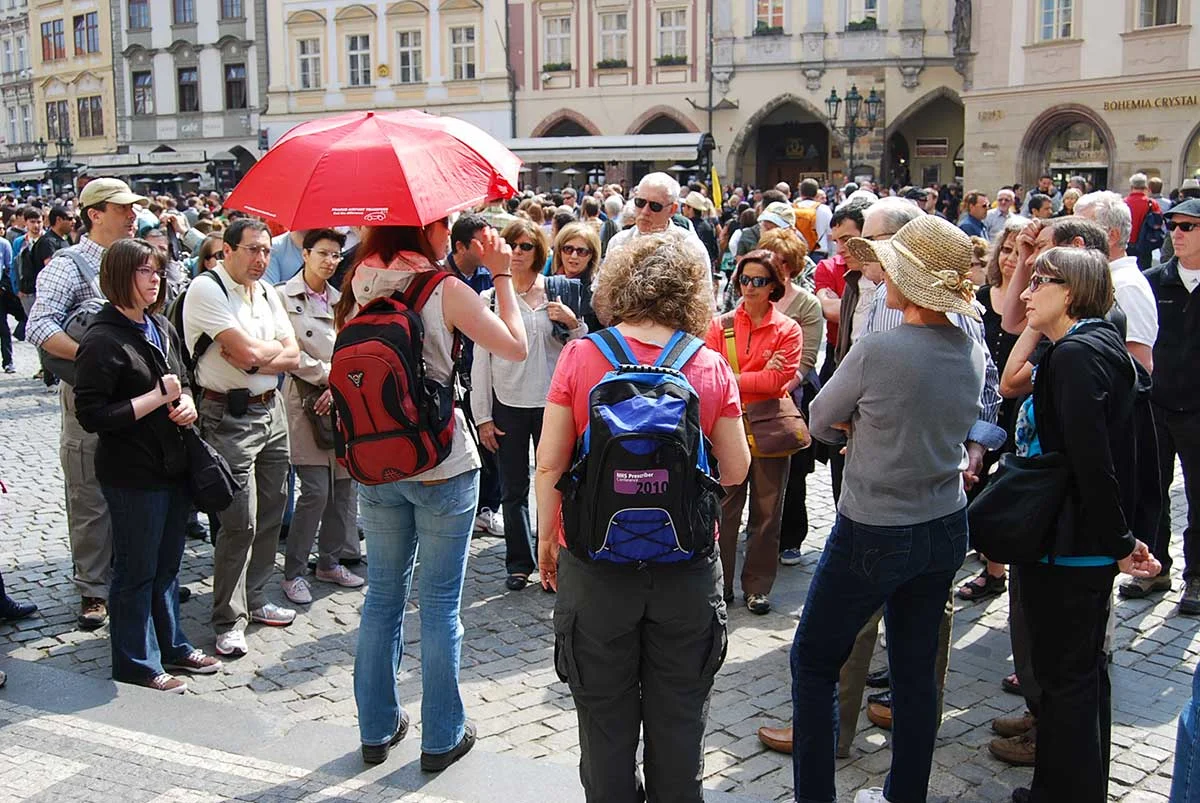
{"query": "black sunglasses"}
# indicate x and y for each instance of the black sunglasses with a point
(1184, 227)
(655, 206)
(757, 281)
(524, 246)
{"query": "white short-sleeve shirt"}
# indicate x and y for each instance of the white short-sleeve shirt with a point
(1137, 301)
(207, 311)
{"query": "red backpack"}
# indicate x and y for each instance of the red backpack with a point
(391, 421)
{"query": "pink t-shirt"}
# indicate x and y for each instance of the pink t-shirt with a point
(581, 366)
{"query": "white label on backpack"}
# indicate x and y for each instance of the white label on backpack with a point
(631, 483)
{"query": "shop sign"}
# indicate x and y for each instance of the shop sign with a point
(991, 114)
(932, 148)
(1136, 104)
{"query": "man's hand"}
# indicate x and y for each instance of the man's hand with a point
(975, 453)
(1140, 563)
(488, 434)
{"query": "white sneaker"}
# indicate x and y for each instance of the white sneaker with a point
(273, 615)
(297, 591)
(872, 795)
(341, 575)
(232, 643)
(489, 521)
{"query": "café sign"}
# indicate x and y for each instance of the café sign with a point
(1166, 102)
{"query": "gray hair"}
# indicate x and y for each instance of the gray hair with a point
(662, 182)
(1138, 181)
(628, 213)
(1109, 210)
(894, 212)
(612, 205)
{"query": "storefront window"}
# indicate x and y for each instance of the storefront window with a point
(1079, 145)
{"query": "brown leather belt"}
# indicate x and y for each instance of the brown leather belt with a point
(262, 398)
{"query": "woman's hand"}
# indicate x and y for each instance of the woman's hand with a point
(1140, 563)
(184, 413)
(492, 251)
(488, 435)
(561, 313)
(776, 362)
(171, 388)
(548, 562)
(323, 403)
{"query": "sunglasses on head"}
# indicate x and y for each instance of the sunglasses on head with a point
(655, 206)
(1184, 227)
(524, 246)
(757, 281)
(576, 250)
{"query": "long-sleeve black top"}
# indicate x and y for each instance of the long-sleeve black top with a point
(116, 363)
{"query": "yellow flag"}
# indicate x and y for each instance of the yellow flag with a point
(716, 190)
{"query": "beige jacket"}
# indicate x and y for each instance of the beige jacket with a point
(315, 334)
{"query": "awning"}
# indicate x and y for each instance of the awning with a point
(24, 176)
(158, 170)
(625, 148)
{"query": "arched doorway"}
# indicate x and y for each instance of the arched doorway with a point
(566, 128)
(1068, 140)
(785, 140)
(662, 124)
(1191, 156)
(898, 161)
(930, 132)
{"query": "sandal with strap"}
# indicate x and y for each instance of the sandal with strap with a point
(983, 586)
(1011, 684)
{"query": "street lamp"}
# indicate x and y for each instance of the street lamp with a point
(62, 159)
(851, 127)
(39, 148)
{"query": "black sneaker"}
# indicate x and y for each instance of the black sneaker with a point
(378, 753)
(436, 762)
(879, 679)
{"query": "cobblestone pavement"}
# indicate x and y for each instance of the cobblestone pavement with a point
(304, 672)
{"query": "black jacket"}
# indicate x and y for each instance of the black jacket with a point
(114, 364)
(1091, 403)
(1177, 349)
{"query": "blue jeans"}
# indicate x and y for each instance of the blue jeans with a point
(403, 520)
(148, 529)
(1185, 782)
(909, 571)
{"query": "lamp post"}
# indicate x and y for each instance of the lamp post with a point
(62, 160)
(851, 127)
(39, 148)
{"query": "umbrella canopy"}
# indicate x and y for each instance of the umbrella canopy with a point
(570, 171)
(400, 168)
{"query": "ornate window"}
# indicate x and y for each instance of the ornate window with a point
(462, 52)
(1054, 20)
(139, 14)
(189, 90)
(672, 34)
(58, 120)
(91, 116)
(409, 57)
(558, 40)
(358, 48)
(143, 93)
(235, 86)
(53, 44)
(87, 33)
(309, 52)
(614, 34)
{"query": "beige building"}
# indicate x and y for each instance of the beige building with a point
(330, 56)
(611, 68)
(1100, 89)
(71, 59)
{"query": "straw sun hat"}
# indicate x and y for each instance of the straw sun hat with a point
(928, 260)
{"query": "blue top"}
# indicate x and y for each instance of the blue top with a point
(287, 259)
(8, 263)
(973, 227)
(151, 333)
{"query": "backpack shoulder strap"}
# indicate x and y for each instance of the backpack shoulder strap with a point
(204, 341)
(422, 286)
(613, 346)
(679, 351)
(730, 343)
(86, 272)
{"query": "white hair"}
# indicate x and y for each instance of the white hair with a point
(661, 181)
(612, 205)
(1007, 192)
(1138, 181)
(1109, 210)
(895, 212)
(628, 213)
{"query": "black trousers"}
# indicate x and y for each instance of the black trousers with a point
(1179, 434)
(10, 305)
(639, 647)
(1066, 609)
(794, 528)
(489, 473)
(520, 425)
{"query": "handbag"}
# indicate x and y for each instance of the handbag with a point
(322, 425)
(1013, 519)
(210, 479)
(774, 427)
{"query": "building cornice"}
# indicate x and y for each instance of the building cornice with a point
(1089, 85)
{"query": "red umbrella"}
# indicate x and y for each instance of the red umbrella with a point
(405, 168)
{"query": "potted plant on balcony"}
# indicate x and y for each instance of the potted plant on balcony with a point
(611, 64)
(671, 61)
(867, 24)
(557, 66)
(763, 29)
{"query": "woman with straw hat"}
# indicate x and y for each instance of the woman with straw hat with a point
(907, 399)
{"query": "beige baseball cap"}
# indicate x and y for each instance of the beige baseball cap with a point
(110, 190)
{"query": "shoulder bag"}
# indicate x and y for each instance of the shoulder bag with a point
(322, 425)
(210, 479)
(1013, 519)
(774, 427)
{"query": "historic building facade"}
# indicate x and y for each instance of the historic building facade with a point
(20, 128)
(331, 56)
(190, 82)
(1066, 88)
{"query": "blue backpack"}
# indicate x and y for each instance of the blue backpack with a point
(643, 488)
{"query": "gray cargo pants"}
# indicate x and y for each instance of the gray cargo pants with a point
(88, 525)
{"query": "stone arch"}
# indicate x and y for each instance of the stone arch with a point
(737, 148)
(1183, 156)
(929, 97)
(1032, 156)
(565, 115)
(895, 129)
(245, 158)
(355, 11)
(662, 111)
(305, 17)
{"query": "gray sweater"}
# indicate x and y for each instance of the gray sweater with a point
(912, 395)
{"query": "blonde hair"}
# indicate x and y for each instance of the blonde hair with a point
(576, 231)
(789, 246)
(652, 278)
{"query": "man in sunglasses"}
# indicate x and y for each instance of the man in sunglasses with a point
(1176, 394)
(656, 201)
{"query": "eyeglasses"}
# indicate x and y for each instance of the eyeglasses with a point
(1184, 227)
(526, 247)
(1038, 280)
(147, 271)
(323, 254)
(757, 281)
(256, 250)
(575, 250)
(655, 206)
(212, 256)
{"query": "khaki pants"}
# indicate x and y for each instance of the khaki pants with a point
(88, 525)
(852, 681)
(256, 447)
(765, 485)
(327, 505)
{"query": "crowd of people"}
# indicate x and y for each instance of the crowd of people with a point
(954, 331)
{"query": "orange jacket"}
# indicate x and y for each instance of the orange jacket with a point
(755, 346)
